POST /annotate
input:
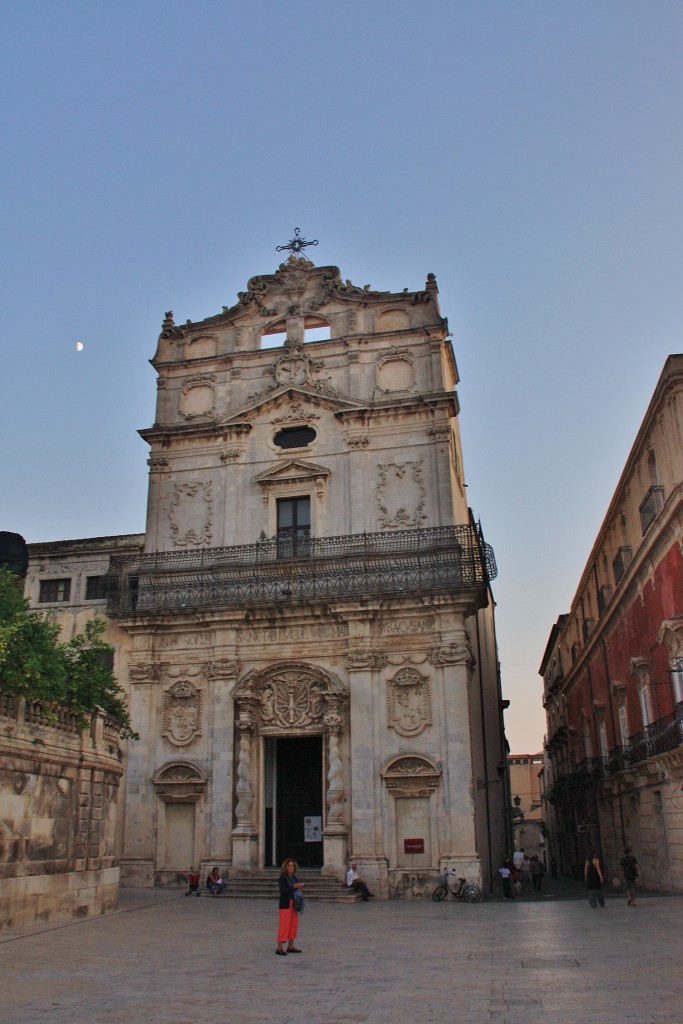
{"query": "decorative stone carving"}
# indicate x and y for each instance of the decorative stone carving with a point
(364, 659)
(335, 776)
(291, 701)
(401, 495)
(395, 371)
(296, 413)
(292, 696)
(197, 398)
(409, 702)
(243, 789)
(221, 670)
(411, 775)
(191, 515)
(357, 440)
(179, 782)
(157, 463)
(453, 654)
(229, 455)
(143, 673)
(181, 713)
(442, 433)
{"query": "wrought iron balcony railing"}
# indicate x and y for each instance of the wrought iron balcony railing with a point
(650, 507)
(438, 560)
(621, 562)
(661, 736)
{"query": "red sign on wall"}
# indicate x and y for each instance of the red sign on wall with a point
(414, 845)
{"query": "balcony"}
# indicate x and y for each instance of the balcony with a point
(447, 560)
(661, 736)
(604, 598)
(650, 507)
(621, 562)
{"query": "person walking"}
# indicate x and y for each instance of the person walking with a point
(629, 865)
(290, 888)
(595, 879)
(505, 872)
(537, 872)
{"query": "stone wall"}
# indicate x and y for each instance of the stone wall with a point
(58, 799)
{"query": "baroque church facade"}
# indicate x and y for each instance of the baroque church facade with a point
(306, 627)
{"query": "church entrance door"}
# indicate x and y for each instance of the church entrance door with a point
(294, 800)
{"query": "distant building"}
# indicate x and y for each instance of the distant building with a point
(613, 668)
(527, 817)
(306, 628)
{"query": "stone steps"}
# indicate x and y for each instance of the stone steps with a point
(263, 886)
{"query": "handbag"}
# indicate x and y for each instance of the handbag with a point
(298, 901)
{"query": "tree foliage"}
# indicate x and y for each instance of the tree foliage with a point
(34, 663)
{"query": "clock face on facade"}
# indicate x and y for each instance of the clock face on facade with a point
(292, 370)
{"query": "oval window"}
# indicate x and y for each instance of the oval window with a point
(294, 437)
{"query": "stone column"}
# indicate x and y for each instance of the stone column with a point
(367, 839)
(244, 835)
(335, 833)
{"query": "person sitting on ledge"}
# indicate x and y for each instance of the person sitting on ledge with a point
(354, 881)
(214, 882)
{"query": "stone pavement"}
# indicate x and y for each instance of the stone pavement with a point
(167, 959)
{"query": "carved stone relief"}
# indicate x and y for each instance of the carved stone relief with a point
(290, 696)
(357, 440)
(197, 398)
(179, 782)
(222, 670)
(411, 775)
(296, 413)
(453, 654)
(191, 515)
(181, 713)
(364, 659)
(409, 702)
(143, 673)
(401, 495)
(395, 371)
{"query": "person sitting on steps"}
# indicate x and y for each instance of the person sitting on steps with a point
(354, 881)
(214, 882)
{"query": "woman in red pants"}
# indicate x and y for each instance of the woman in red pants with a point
(289, 917)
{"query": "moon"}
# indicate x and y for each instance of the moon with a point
(79, 346)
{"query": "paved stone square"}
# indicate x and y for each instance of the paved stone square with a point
(175, 960)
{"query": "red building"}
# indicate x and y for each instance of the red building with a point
(613, 669)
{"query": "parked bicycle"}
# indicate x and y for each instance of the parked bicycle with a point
(459, 888)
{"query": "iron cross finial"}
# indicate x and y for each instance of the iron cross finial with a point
(296, 245)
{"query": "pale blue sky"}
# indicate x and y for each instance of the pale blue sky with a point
(527, 153)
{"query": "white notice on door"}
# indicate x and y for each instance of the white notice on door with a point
(313, 829)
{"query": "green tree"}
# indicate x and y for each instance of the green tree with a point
(34, 663)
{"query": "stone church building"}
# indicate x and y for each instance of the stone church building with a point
(306, 627)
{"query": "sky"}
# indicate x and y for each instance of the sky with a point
(527, 152)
